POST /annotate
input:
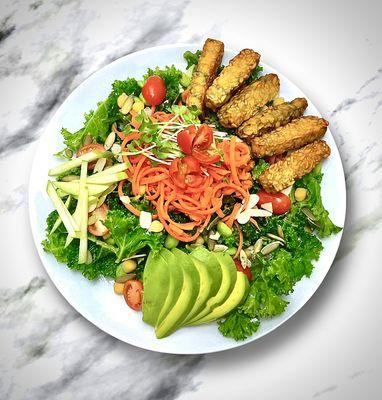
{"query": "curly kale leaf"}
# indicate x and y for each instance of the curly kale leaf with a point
(192, 58)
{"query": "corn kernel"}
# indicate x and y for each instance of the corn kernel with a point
(121, 99)
(118, 288)
(138, 106)
(156, 226)
(129, 265)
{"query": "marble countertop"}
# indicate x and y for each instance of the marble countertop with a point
(331, 348)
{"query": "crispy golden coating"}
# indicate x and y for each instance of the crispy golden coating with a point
(294, 166)
(231, 78)
(271, 118)
(249, 100)
(205, 72)
(292, 136)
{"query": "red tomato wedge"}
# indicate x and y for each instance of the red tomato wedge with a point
(87, 149)
(204, 137)
(186, 138)
(204, 157)
(247, 271)
(132, 292)
(280, 202)
(154, 90)
(98, 228)
(186, 172)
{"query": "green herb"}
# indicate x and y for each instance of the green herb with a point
(129, 236)
(259, 168)
(312, 182)
(192, 58)
(238, 326)
(255, 74)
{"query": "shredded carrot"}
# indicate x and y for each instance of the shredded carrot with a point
(231, 177)
(241, 240)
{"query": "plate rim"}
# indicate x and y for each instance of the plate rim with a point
(31, 212)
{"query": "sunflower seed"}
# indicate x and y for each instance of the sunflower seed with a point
(254, 222)
(280, 231)
(88, 140)
(308, 213)
(272, 236)
(100, 165)
(258, 245)
(269, 248)
(109, 141)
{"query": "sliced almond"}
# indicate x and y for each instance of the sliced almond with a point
(253, 200)
(268, 207)
(243, 217)
(287, 190)
(116, 148)
(257, 212)
(145, 219)
(214, 236)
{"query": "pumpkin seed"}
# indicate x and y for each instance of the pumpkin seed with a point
(68, 153)
(309, 214)
(220, 247)
(269, 248)
(244, 259)
(109, 141)
(258, 245)
(280, 231)
(272, 236)
(88, 140)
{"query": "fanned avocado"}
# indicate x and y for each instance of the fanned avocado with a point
(186, 299)
(227, 284)
(156, 281)
(204, 289)
(237, 295)
(175, 283)
(213, 266)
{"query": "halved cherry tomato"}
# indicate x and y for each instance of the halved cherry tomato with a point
(280, 202)
(154, 90)
(132, 292)
(204, 138)
(186, 172)
(98, 228)
(186, 138)
(206, 158)
(247, 271)
(87, 149)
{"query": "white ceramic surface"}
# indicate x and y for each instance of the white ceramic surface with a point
(96, 300)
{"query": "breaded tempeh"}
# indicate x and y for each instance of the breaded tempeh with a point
(272, 118)
(294, 166)
(205, 72)
(292, 136)
(231, 78)
(249, 100)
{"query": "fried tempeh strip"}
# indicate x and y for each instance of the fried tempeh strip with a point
(231, 78)
(205, 72)
(292, 136)
(294, 166)
(249, 100)
(272, 118)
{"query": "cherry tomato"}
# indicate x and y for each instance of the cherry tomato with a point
(98, 228)
(132, 292)
(186, 138)
(87, 149)
(204, 138)
(186, 172)
(280, 202)
(206, 158)
(247, 271)
(154, 90)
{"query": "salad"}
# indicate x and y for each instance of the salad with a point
(198, 192)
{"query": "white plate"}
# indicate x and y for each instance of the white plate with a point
(96, 300)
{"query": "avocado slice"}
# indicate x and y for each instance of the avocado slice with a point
(229, 276)
(237, 295)
(175, 283)
(204, 294)
(156, 281)
(186, 299)
(213, 266)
